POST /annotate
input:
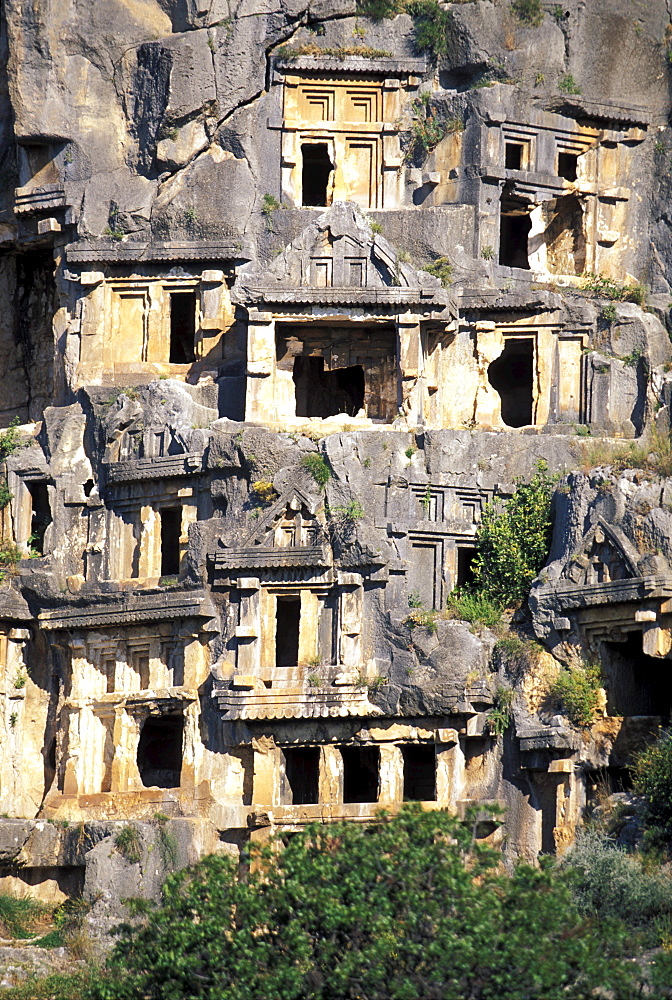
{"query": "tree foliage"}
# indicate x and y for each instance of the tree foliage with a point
(410, 907)
(513, 540)
(653, 779)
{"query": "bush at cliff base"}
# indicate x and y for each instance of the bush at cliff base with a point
(410, 907)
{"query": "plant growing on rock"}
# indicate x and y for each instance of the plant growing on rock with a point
(577, 689)
(529, 12)
(129, 844)
(318, 467)
(513, 540)
(500, 715)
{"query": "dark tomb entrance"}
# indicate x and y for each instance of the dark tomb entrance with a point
(636, 684)
(419, 773)
(160, 751)
(41, 513)
(361, 767)
(171, 529)
(287, 621)
(567, 163)
(465, 568)
(317, 167)
(324, 394)
(513, 156)
(182, 327)
(302, 769)
(514, 229)
(512, 375)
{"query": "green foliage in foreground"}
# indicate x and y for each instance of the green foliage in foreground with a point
(513, 540)
(411, 907)
(470, 606)
(653, 780)
(59, 986)
(20, 915)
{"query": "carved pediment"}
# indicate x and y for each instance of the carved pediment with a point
(606, 555)
(339, 251)
(289, 534)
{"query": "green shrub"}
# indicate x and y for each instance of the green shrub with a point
(129, 844)
(652, 774)
(408, 907)
(577, 689)
(609, 883)
(501, 714)
(59, 986)
(513, 540)
(441, 268)
(430, 26)
(379, 10)
(568, 85)
(530, 12)
(317, 466)
(608, 313)
(476, 608)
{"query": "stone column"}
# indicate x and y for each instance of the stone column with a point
(260, 405)
(391, 774)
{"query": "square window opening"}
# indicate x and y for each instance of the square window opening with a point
(419, 773)
(182, 327)
(324, 394)
(361, 774)
(302, 769)
(513, 156)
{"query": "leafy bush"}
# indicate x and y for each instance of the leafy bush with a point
(318, 468)
(652, 774)
(59, 986)
(609, 883)
(409, 907)
(430, 26)
(513, 540)
(442, 269)
(476, 608)
(577, 689)
(530, 12)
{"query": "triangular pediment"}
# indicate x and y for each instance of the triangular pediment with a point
(606, 555)
(291, 522)
(340, 250)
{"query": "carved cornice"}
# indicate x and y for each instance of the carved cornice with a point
(164, 467)
(129, 609)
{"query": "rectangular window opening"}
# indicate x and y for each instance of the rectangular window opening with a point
(316, 174)
(512, 375)
(182, 327)
(465, 568)
(361, 774)
(567, 164)
(40, 518)
(287, 623)
(171, 530)
(302, 769)
(513, 156)
(514, 230)
(419, 773)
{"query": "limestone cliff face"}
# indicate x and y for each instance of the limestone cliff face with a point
(289, 295)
